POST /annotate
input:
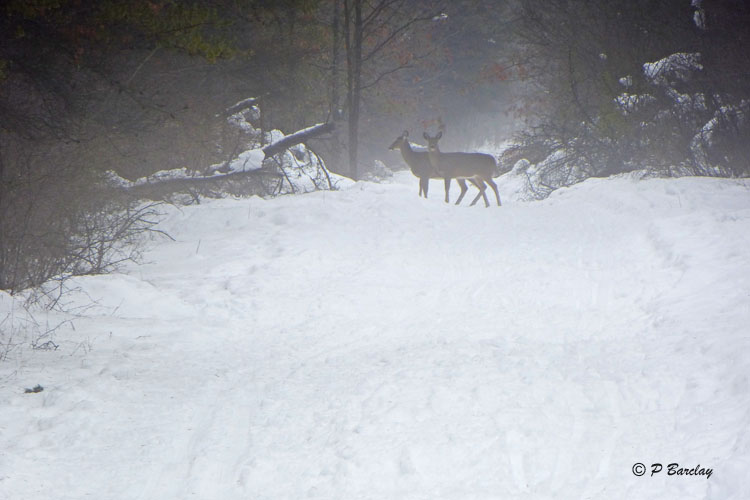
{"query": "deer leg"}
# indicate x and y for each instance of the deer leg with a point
(478, 186)
(462, 185)
(494, 188)
(482, 188)
(424, 185)
(447, 188)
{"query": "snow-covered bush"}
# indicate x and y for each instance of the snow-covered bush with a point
(662, 121)
(623, 86)
(682, 129)
(535, 181)
(721, 146)
(378, 172)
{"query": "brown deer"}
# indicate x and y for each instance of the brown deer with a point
(476, 167)
(420, 165)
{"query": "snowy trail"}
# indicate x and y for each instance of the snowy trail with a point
(369, 344)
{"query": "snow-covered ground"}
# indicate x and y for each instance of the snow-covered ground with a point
(370, 344)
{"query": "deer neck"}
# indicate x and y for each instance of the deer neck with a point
(434, 156)
(407, 152)
(437, 160)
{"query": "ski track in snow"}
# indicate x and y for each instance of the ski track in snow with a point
(371, 344)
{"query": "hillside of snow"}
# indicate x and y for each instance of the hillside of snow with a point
(370, 344)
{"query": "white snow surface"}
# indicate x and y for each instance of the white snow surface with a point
(371, 344)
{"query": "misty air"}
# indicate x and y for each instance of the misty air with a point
(385, 249)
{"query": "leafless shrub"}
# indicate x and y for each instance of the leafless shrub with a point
(60, 219)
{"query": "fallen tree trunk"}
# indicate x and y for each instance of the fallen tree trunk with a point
(297, 138)
(251, 163)
(241, 106)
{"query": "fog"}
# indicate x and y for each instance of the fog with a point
(217, 281)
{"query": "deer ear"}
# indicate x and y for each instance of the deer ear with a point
(440, 134)
(427, 137)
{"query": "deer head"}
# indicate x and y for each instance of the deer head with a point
(400, 140)
(432, 142)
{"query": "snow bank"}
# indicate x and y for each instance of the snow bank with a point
(368, 343)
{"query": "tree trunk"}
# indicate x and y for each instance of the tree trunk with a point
(353, 30)
(336, 152)
(334, 84)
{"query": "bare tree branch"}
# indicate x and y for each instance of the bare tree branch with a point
(384, 42)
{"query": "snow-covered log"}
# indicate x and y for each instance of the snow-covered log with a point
(297, 138)
(246, 162)
(243, 105)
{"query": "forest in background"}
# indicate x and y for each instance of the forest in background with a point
(577, 88)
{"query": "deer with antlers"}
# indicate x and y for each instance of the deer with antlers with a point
(478, 168)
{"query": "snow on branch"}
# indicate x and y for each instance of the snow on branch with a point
(243, 105)
(246, 162)
(677, 66)
(297, 138)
